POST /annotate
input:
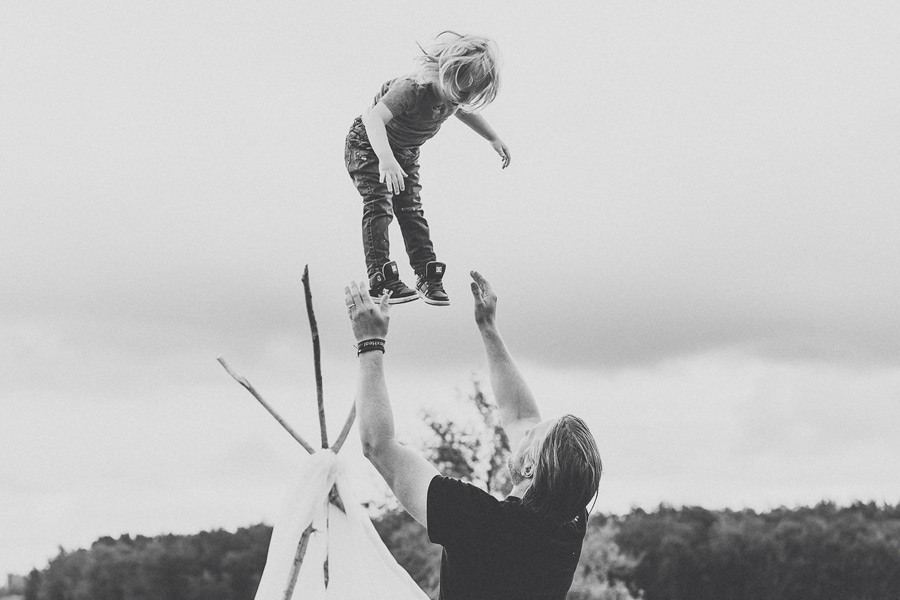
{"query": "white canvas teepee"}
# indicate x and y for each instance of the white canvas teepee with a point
(323, 544)
(340, 552)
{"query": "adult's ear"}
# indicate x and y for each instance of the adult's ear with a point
(527, 468)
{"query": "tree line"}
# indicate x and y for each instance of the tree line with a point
(825, 552)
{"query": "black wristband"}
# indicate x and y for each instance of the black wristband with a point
(369, 345)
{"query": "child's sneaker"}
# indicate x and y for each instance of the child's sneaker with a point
(429, 285)
(389, 279)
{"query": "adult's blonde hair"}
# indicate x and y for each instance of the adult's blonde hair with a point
(567, 471)
(458, 62)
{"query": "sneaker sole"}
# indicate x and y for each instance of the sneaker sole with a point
(433, 302)
(392, 300)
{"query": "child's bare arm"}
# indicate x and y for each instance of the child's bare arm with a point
(389, 170)
(479, 125)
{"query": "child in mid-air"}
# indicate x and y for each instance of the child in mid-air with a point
(456, 75)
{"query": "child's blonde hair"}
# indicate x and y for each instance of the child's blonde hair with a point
(466, 67)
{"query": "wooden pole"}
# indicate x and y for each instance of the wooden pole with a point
(241, 380)
(314, 329)
(346, 430)
(298, 562)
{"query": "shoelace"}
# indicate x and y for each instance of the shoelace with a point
(432, 285)
(395, 285)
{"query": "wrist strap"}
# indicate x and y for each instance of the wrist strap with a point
(370, 345)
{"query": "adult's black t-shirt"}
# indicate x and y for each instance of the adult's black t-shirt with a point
(498, 549)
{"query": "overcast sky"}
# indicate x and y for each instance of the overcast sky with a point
(695, 248)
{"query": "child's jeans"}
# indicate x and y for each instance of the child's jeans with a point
(380, 205)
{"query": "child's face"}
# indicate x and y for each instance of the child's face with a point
(459, 95)
(464, 94)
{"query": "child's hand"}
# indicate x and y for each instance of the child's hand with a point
(391, 174)
(501, 149)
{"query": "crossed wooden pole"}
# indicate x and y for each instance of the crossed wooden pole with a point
(333, 496)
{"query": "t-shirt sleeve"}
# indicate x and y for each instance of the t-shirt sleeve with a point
(456, 510)
(400, 96)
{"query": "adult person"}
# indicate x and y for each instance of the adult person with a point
(525, 547)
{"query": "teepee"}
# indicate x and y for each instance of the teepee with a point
(323, 544)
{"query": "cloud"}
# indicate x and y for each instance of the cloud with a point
(701, 204)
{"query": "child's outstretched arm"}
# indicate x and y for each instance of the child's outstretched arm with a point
(389, 170)
(479, 125)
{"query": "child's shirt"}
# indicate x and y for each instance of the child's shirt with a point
(418, 111)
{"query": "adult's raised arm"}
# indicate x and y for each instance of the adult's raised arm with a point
(406, 471)
(518, 409)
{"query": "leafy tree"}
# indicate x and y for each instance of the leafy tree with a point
(475, 449)
(601, 558)
(408, 542)
(215, 565)
(32, 585)
(823, 552)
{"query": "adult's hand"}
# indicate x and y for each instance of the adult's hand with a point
(368, 319)
(485, 300)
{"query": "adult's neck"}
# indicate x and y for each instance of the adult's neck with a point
(519, 489)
